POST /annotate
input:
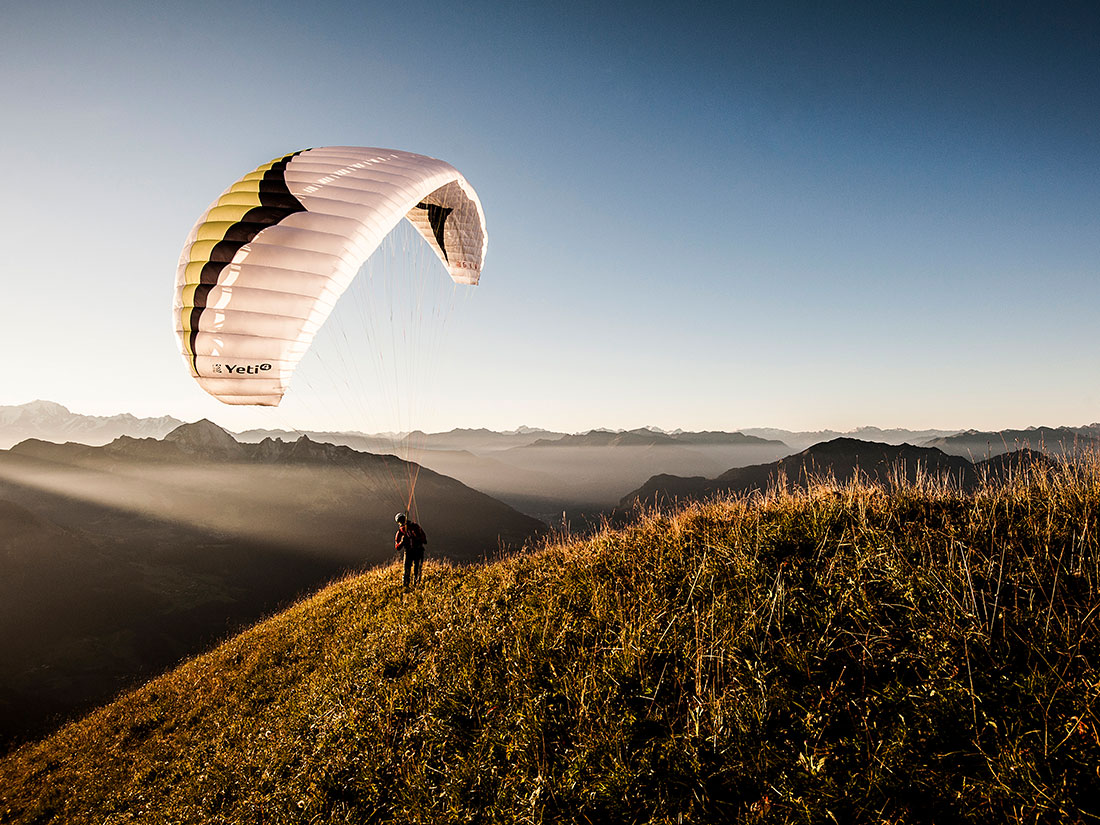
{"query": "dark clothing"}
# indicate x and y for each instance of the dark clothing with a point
(411, 538)
(413, 561)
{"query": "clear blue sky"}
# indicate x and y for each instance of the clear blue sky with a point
(739, 214)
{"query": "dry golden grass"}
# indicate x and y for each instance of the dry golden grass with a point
(898, 653)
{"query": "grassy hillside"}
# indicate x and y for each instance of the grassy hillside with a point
(119, 562)
(844, 654)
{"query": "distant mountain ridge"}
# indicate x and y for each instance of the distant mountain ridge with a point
(800, 440)
(475, 440)
(646, 437)
(840, 458)
(1058, 440)
(48, 421)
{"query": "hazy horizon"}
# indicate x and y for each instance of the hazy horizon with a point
(518, 428)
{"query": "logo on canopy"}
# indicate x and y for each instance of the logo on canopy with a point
(235, 369)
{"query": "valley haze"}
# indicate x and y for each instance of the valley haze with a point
(545, 473)
(131, 542)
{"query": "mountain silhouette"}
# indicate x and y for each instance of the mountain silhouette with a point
(841, 458)
(608, 438)
(204, 438)
(647, 437)
(978, 444)
(800, 440)
(478, 441)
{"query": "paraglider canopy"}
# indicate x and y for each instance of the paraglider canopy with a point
(265, 264)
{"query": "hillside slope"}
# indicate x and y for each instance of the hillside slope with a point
(844, 654)
(120, 561)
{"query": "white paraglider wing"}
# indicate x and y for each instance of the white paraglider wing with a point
(264, 266)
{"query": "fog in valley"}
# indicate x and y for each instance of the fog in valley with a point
(116, 562)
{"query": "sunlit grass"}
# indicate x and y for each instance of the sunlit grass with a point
(876, 653)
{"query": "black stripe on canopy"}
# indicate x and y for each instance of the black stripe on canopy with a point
(276, 204)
